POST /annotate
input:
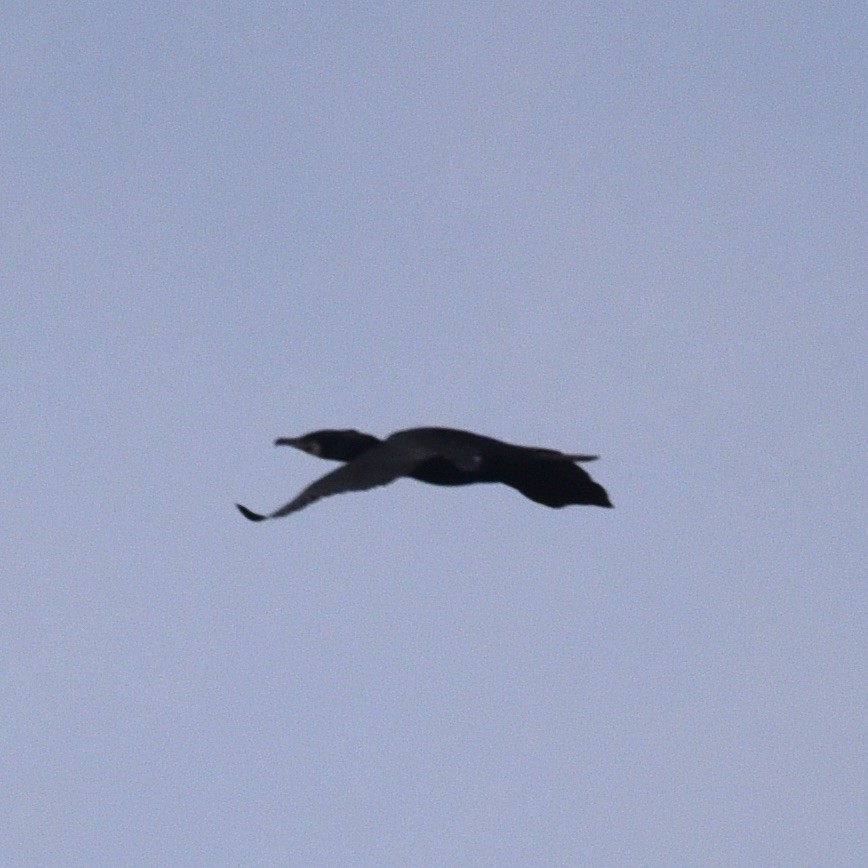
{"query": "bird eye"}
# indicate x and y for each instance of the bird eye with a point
(313, 447)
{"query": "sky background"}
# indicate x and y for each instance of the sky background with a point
(629, 229)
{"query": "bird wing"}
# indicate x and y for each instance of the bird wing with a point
(378, 466)
(553, 483)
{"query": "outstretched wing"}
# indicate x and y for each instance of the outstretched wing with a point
(379, 466)
(554, 483)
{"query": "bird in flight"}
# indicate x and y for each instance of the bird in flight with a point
(439, 456)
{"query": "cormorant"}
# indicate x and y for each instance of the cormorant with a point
(440, 456)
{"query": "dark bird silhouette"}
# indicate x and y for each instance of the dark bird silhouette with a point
(440, 456)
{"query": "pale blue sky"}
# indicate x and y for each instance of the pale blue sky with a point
(629, 229)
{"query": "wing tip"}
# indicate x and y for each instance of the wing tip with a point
(249, 514)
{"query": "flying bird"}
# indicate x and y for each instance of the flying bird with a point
(439, 456)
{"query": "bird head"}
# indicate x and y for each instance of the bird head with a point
(342, 445)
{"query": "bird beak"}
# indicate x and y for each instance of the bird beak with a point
(309, 446)
(288, 441)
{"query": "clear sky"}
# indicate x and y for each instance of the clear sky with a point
(629, 229)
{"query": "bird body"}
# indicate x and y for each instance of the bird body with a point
(440, 456)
